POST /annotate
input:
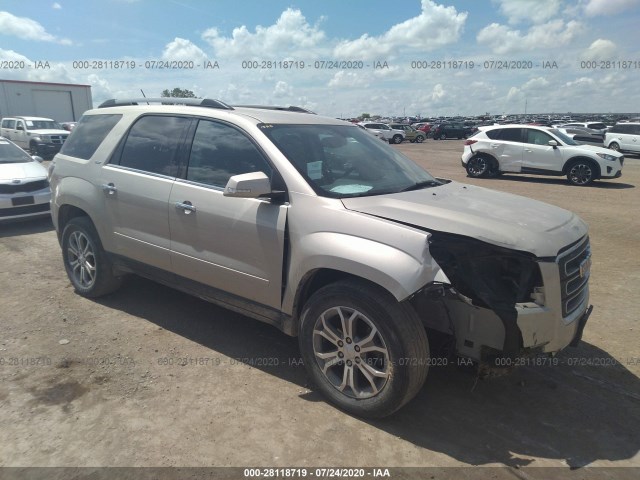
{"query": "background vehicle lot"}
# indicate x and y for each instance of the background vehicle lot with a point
(154, 377)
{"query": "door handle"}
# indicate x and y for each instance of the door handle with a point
(186, 206)
(495, 145)
(528, 150)
(109, 188)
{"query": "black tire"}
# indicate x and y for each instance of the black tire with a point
(581, 172)
(479, 166)
(33, 149)
(614, 146)
(419, 139)
(85, 261)
(397, 139)
(443, 136)
(377, 322)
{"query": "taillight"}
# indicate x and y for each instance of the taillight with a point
(470, 142)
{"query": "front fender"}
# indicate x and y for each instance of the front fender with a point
(401, 272)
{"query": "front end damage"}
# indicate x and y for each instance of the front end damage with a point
(498, 302)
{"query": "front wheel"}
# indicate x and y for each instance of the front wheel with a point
(367, 353)
(397, 139)
(85, 261)
(443, 136)
(478, 166)
(419, 139)
(581, 173)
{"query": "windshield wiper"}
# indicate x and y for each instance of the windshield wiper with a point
(423, 184)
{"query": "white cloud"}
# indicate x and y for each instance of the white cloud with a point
(601, 49)
(56, 6)
(502, 39)
(181, 49)
(529, 10)
(435, 27)
(595, 8)
(27, 29)
(100, 88)
(282, 89)
(290, 35)
(535, 84)
(348, 79)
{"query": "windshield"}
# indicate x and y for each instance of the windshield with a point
(565, 139)
(42, 125)
(343, 161)
(10, 153)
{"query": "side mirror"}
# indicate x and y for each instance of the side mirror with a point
(553, 143)
(248, 185)
(37, 158)
(19, 127)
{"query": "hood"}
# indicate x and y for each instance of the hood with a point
(592, 148)
(498, 218)
(22, 171)
(48, 131)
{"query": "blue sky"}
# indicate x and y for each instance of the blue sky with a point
(591, 46)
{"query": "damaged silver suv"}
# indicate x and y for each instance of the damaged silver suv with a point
(316, 227)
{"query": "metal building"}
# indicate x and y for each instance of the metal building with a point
(62, 102)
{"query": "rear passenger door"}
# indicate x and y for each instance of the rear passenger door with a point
(506, 146)
(136, 185)
(231, 244)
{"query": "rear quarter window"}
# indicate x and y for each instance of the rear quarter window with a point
(88, 135)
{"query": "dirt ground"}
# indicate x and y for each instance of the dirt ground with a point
(149, 376)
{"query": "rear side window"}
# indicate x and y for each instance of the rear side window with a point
(220, 151)
(9, 124)
(153, 144)
(511, 134)
(634, 129)
(596, 126)
(620, 128)
(88, 135)
(494, 134)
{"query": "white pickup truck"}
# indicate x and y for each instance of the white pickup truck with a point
(39, 136)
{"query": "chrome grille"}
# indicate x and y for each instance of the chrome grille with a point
(574, 265)
(58, 139)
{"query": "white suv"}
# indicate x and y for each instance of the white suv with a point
(40, 136)
(623, 137)
(538, 151)
(385, 131)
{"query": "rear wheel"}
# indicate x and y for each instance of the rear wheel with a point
(478, 166)
(397, 139)
(443, 136)
(367, 353)
(85, 260)
(614, 146)
(581, 173)
(419, 139)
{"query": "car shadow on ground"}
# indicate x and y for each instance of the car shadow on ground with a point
(603, 184)
(26, 226)
(583, 409)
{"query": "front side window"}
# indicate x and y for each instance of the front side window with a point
(153, 144)
(342, 161)
(537, 137)
(43, 125)
(220, 151)
(88, 135)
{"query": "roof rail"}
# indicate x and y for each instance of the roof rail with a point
(290, 108)
(196, 102)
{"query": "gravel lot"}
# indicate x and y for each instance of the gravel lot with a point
(152, 377)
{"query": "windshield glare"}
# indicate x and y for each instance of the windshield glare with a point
(565, 139)
(10, 153)
(344, 161)
(43, 125)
